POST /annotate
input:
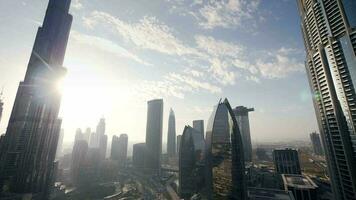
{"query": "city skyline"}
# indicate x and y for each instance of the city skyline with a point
(272, 91)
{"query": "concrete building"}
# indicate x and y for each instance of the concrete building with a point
(225, 164)
(138, 155)
(241, 114)
(302, 187)
(32, 136)
(286, 161)
(191, 164)
(154, 136)
(119, 149)
(179, 138)
(199, 126)
(60, 143)
(316, 143)
(79, 154)
(171, 139)
(329, 33)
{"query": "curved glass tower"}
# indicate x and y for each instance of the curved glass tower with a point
(224, 156)
(329, 30)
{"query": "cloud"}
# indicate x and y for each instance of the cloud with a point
(218, 47)
(105, 45)
(76, 4)
(217, 13)
(148, 33)
(280, 64)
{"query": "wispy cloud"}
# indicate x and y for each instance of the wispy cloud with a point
(105, 45)
(148, 33)
(216, 13)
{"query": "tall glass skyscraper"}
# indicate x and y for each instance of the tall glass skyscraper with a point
(171, 140)
(329, 32)
(225, 165)
(154, 136)
(30, 143)
(241, 114)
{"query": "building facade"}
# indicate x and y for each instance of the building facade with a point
(154, 136)
(242, 118)
(138, 155)
(171, 140)
(79, 155)
(27, 158)
(119, 149)
(286, 161)
(328, 27)
(179, 138)
(225, 165)
(302, 187)
(199, 126)
(316, 144)
(191, 163)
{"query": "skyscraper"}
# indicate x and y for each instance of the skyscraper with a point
(241, 114)
(103, 145)
(316, 143)
(119, 149)
(95, 137)
(60, 144)
(199, 126)
(79, 154)
(154, 136)
(171, 140)
(138, 155)
(27, 159)
(328, 27)
(286, 161)
(225, 165)
(179, 138)
(191, 166)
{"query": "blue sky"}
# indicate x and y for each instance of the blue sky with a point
(190, 53)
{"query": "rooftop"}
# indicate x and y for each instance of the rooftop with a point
(298, 181)
(269, 194)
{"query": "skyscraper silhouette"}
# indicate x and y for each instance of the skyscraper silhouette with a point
(329, 32)
(316, 143)
(154, 136)
(225, 164)
(31, 138)
(199, 126)
(242, 118)
(171, 140)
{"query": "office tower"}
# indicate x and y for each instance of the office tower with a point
(171, 140)
(269, 194)
(225, 165)
(119, 149)
(241, 114)
(191, 164)
(302, 187)
(33, 129)
(60, 143)
(138, 155)
(328, 28)
(103, 145)
(199, 126)
(286, 161)
(87, 135)
(79, 153)
(114, 155)
(154, 136)
(96, 136)
(179, 138)
(78, 135)
(316, 143)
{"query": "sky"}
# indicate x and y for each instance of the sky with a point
(123, 53)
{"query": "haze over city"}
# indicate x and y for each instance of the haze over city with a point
(122, 53)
